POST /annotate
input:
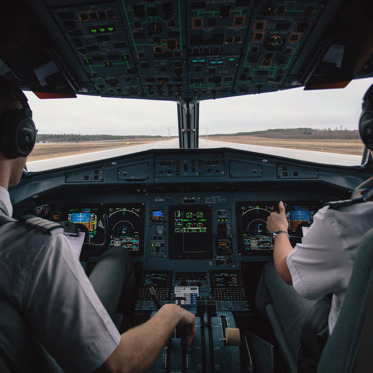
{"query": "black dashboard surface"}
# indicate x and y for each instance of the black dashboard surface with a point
(184, 209)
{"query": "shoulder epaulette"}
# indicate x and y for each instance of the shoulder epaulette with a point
(46, 226)
(364, 190)
(346, 202)
(362, 193)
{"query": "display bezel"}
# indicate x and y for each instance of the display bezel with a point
(141, 222)
(97, 237)
(202, 247)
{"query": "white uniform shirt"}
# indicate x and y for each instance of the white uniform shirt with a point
(323, 262)
(41, 275)
(5, 201)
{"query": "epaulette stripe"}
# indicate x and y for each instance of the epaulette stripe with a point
(45, 225)
(346, 202)
(37, 221)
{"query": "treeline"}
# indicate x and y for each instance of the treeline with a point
(284, 133)
(303, 133)
(81, 138)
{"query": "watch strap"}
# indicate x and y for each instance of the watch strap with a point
(274, 234)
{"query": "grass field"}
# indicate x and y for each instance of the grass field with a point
(55, 150)
(352, 147)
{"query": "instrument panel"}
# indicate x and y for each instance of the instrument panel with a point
(179, 232)
(186, 50)
(181, 219)
(191, 234)
(171, 216)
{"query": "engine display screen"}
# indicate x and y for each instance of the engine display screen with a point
(225, 279)
(253, 236)
(126, 227)
(190, 232)
(86, 219)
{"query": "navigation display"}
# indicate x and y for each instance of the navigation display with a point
(86, 219)
(159, 279)
(252, 232)
(190, 232)
(126, 227)
(253, 237)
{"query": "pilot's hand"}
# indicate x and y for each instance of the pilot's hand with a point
(188, 325)
(277, 221)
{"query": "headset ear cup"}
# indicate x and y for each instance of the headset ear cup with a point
(366, 119)
(366, 128)
(18, 134)
(26, 137)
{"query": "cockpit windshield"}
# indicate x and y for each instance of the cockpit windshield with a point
(318, 126)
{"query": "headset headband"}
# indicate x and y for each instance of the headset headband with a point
(6, 83)
(368, 97)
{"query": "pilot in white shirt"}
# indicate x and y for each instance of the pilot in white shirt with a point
(40, 273)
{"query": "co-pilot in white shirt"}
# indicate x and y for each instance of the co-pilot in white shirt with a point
(323, 262)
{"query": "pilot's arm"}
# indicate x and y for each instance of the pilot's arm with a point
(276, 222)
(140, 347)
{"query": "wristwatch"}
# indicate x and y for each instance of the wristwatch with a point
(274, 234)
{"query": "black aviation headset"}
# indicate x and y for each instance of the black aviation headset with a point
(366, 119)
(17, 129)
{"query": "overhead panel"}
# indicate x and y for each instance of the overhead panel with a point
(185, 50)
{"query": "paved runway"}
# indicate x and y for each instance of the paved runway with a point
(303, 155)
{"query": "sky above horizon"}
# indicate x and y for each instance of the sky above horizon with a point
(337, 108)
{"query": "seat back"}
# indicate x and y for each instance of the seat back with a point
(19, 350)
(349, 347)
